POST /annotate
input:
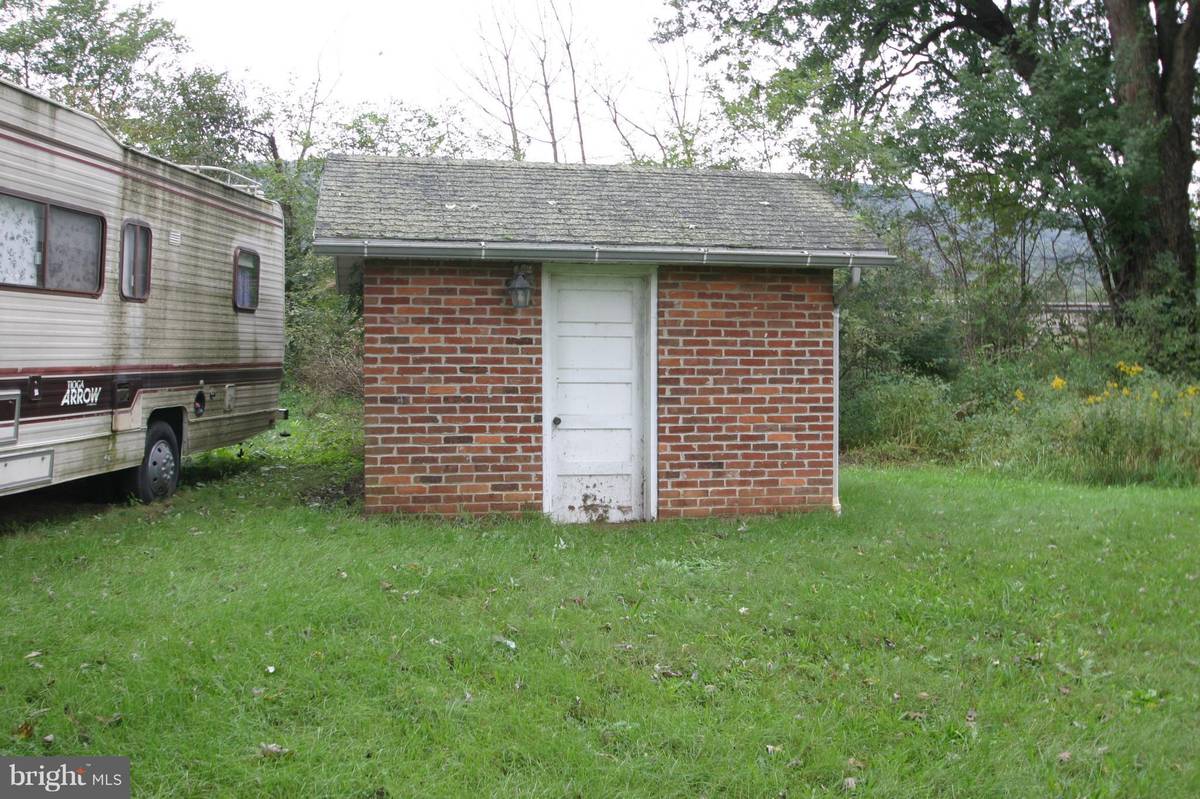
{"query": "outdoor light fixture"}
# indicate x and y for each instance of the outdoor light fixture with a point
(519, 289)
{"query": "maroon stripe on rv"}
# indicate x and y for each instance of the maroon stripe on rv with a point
(129, 171)
(83, 394)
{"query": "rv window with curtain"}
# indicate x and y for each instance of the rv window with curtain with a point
(75, 247)
(245, 281)
(21, 241)
(136, 241)
(47, 247)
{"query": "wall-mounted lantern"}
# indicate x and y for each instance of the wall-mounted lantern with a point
(520, 290)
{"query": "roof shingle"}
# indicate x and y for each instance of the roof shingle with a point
(382, 198)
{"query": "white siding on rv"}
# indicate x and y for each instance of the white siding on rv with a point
(189, 318)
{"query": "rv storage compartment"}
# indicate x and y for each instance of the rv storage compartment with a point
(26, 470)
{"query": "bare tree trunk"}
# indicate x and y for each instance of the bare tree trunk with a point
(497, 80)
(542, 53)
(567, 32)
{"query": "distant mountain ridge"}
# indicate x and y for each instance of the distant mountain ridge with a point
(1060, 254)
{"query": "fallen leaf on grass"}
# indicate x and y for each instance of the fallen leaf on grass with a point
(913, 715)
(110, 721)
(272, 750)
(48, 740)
(386, 586)
(850, 783)
(855, 763)
(506, 642)
(1065, 690)
(34, 654)
(1064, 757)
(774, 750)
(24, 730)
(972, 716)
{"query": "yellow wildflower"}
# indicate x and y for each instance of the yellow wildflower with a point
(1058, 384)
(1020, 395)
(1111, 384)
(1154, 394)
(1192, 391)
(1130, 369)
(1094, 399)
(1126, 392)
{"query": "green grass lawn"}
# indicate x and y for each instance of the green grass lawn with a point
(949, 635)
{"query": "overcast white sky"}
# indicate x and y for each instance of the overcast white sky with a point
(423, 52)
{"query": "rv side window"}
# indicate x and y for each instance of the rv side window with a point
(48, 247)
(21, 241)
(136, 246)
(245, 280)
(74, 247)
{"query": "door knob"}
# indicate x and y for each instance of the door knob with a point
(556, 421)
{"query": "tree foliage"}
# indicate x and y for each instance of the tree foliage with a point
(85, 53)
(1083, 109)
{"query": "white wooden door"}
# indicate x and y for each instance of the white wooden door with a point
(596, 397)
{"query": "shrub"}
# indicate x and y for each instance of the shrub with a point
(989, 386)
(902, 417)
(1133, 427)
(898, 322)
(324, 334)
(1135, 431)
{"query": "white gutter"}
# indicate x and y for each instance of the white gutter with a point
(839, 295)
(597, 253)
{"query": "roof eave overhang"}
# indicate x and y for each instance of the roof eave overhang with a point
(597, 253)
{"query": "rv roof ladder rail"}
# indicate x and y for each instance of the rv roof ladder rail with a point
(228, 177)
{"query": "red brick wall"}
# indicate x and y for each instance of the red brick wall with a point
(453, 398)
(453, 391)
(745, 397)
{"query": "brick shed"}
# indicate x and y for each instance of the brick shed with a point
(593, 342)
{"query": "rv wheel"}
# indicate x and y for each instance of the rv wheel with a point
(158, 475)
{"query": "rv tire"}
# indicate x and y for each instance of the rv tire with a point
(158, 475)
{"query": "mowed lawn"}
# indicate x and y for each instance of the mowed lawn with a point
(948, 635)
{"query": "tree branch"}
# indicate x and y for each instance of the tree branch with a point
(994, 26)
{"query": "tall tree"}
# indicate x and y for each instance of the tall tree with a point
(1087, 105)
(196, 116)
(85, 53)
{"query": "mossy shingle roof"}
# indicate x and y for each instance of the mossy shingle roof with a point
(401, 199)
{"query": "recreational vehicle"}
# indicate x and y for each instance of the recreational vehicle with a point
(141, 305)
